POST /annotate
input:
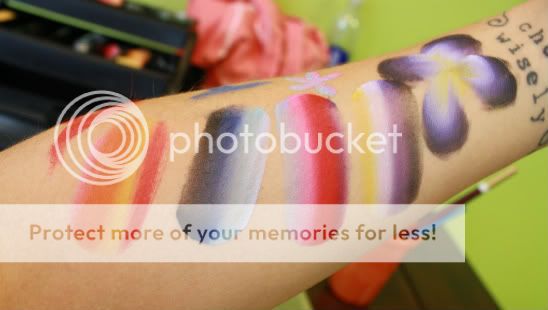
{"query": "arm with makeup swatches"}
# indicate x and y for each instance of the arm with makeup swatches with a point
(459, 108)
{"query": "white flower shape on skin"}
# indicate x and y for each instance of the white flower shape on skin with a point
(317, 82)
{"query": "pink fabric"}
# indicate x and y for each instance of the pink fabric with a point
(240, 40)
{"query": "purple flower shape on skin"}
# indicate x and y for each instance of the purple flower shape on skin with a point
(452, 67)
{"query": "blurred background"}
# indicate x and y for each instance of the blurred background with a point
(51, 51)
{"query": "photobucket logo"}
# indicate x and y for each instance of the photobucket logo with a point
(285, 141)
(80, 155)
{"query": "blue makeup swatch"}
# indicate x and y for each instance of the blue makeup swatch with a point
(227, 89)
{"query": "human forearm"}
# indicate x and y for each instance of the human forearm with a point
(180, 111)
(495, 137)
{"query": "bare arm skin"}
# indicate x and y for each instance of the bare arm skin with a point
(474, 102)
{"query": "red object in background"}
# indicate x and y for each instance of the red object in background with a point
(251, 39)
(114, 3)
(111, 50)
(359, 283)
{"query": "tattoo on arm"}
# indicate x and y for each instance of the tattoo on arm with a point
(529, 34)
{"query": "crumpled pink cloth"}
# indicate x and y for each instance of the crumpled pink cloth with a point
(241, 40)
